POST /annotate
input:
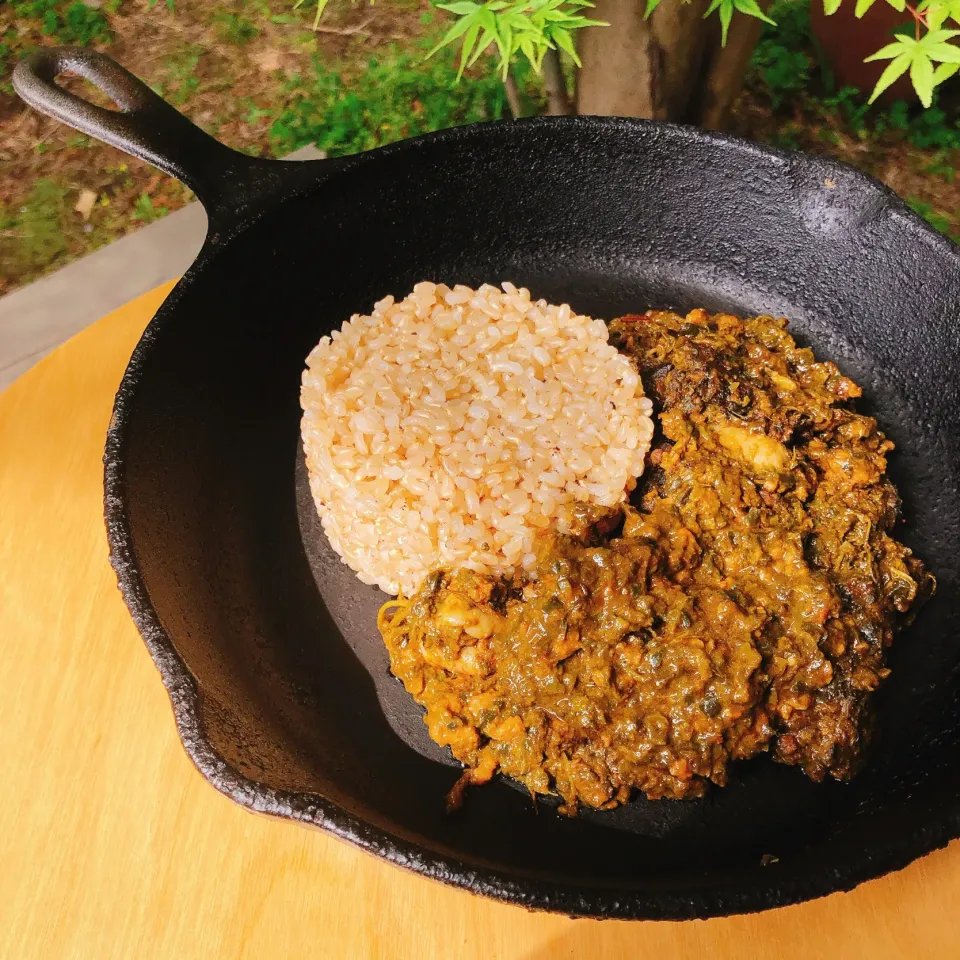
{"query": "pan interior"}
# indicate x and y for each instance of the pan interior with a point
(281, 637)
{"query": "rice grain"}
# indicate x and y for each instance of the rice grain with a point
(449, 428)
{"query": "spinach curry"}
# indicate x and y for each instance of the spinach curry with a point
(743, 603)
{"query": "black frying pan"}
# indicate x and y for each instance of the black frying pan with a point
(269, 646)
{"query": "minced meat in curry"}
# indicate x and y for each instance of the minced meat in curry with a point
(743, 603)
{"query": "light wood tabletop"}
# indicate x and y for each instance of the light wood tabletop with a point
(113, 846)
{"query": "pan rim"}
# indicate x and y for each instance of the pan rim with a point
(312, 809)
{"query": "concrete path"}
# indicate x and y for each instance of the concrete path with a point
(39, 317)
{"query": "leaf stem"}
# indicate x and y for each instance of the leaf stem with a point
(919, 20)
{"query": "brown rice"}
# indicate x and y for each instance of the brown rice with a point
(449, 428)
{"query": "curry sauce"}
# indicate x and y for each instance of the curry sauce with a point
(742, 603)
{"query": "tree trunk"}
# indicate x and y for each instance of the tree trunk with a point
(670, 67)
(558, 102)
(724, 69)
(513, 96)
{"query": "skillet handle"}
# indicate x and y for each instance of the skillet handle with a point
(145, 126)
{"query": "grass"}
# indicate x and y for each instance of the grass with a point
(144, 209)
(181, 77)
(394, 96)
(33, 233)
(252, 74)
(235, 28)
(938, 221)
(74, 23)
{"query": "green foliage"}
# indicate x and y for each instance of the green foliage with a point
(786, 67)
(940, 167)
(235, 28)
(83, 24)
(144, 209)
(831, 6)
(726, 9)
(32, 235)
(397, 96)
(931, 129)
(181, 76)
(321, 6)
(918, 55)
(7, 43)
(937, 220)
(530, 27)
(781, 59)
(71, 23)
(849, 105)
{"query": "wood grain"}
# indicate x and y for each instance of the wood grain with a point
(113, 846)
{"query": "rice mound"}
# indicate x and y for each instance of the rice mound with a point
(448, 429)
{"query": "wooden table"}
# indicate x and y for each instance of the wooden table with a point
(113, 846)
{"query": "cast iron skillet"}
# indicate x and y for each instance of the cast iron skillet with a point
(268, 645)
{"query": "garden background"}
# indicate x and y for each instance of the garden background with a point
(258, 76)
